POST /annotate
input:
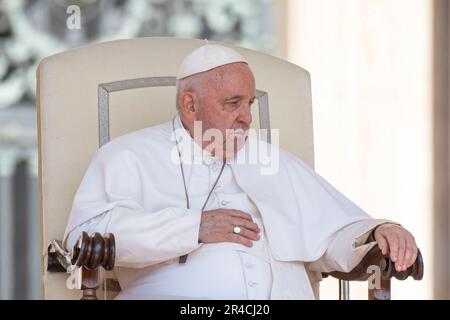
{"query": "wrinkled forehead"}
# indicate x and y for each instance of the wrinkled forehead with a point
(238, 69)
(236, 77)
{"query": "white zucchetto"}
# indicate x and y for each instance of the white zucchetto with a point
(207, 57)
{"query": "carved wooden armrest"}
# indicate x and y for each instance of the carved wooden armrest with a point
(83, 262)
(379, 270)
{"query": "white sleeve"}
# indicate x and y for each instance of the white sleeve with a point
(112, 184)
(347, 248)
(143, 238)
(97, 224)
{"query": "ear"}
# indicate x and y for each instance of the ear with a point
(187, 103)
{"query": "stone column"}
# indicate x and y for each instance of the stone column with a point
(34, 228)
(441, 150)
(7, 168)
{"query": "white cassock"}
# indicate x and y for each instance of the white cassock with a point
(134, 189)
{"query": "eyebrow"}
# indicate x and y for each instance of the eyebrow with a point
(238, 97)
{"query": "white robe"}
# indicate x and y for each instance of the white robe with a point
(309, 225)
(214, 271)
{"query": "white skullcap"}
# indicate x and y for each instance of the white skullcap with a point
(207, 57)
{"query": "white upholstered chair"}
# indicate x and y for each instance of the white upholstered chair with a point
(89, 95)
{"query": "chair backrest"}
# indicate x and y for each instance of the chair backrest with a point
(91, 94)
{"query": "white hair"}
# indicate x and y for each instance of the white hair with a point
(199, 81)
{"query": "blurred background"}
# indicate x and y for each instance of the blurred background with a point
(380, 80)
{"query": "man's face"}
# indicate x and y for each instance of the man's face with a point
(224, 104)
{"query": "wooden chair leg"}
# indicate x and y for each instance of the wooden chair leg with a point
(90, 284)
(383, 293)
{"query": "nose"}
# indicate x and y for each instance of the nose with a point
(245, 115)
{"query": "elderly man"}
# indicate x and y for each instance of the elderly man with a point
(194, 218)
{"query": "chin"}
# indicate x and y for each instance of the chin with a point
(230, 154)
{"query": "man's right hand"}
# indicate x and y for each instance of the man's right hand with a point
(217, 226)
